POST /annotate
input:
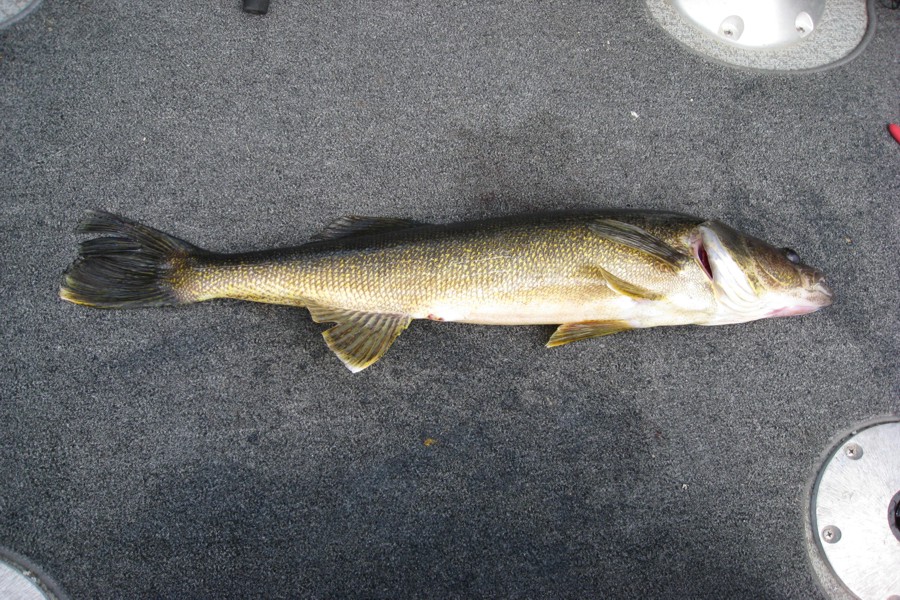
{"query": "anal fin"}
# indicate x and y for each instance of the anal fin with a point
(574, 332)
(360, 338)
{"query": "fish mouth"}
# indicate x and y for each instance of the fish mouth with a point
(822, 292)
(820, 295)
(816, 298)
(817, 291)
(795, 310)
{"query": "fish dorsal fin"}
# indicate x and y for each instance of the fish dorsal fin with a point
(360, 338)
(620, 286)
(574, 332)
(356, 226)
(639, 239)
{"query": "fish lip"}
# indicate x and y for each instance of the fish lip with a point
(817, 297)
(795, 310)
(824, 293)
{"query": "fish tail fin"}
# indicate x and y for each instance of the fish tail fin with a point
(131, 266)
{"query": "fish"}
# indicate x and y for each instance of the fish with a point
(590, 273)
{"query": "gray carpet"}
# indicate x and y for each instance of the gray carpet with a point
(221, 450)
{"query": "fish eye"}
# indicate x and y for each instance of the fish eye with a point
(791, 255)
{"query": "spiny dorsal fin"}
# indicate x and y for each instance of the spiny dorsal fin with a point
(574, 332)
(356, 226)
(635, 237)
(360, 338)
(620, 286)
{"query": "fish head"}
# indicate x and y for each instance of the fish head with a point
(752, 279)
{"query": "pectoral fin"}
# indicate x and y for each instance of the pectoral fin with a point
(620, 286)
(639, 239)
(574, 332)
(360, 338)
(354, 226)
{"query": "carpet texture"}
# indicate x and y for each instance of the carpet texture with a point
(221, 450)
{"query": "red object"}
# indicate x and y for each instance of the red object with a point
(895, 131)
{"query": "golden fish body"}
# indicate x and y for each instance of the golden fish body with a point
(533, 270)
(595, 273)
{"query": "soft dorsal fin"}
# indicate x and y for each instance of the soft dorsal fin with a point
(360, 338)
(356, 226)
(635, 237)
(574, 332)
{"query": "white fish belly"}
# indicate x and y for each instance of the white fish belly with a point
(636, 313)
(541, 312)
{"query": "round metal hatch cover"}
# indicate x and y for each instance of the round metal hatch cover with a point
(770, 35)
(854, 514)
(20, 579)
(15, 10)
(756, 24)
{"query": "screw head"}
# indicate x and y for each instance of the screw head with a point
(732, 27)
(804, 24)
(831, 534)
(853, 451)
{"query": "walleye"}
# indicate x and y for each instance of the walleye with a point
(591, 273)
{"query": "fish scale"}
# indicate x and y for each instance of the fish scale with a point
(411, 272)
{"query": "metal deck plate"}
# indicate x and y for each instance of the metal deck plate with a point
(756, 24)
(15, 10)
(854, 516)
(22, 580)
(777, 35)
